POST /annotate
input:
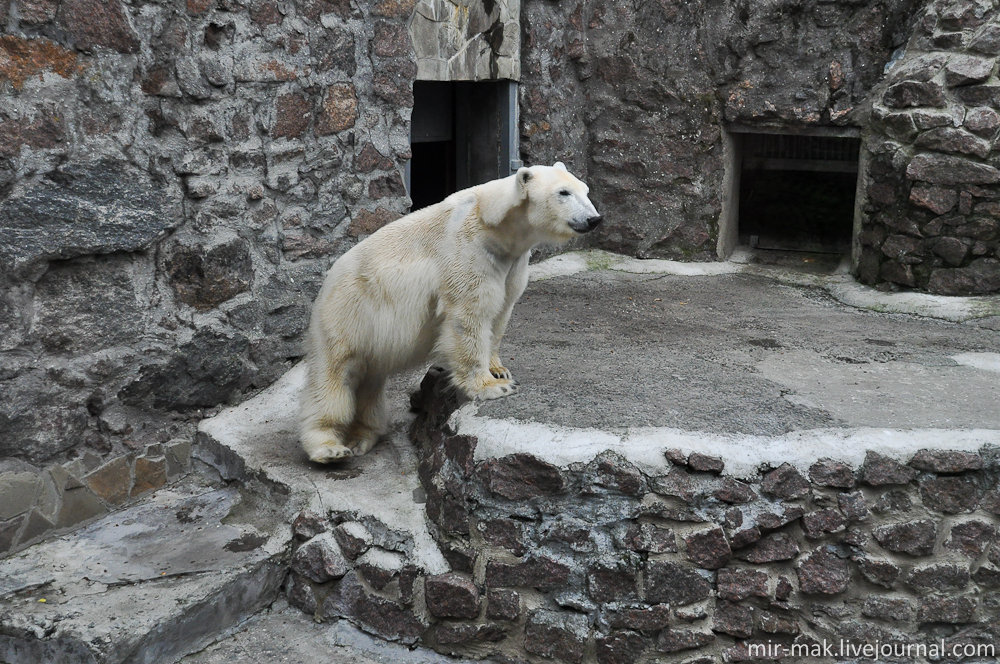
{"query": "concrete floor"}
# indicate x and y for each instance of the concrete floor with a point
(738, 353)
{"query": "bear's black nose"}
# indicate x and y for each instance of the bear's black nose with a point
(593, 222)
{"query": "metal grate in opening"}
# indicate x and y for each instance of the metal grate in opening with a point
(797, 192)
(820, 148)
(782, 152)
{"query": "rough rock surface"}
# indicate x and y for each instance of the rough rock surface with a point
(596, 96)
(175, 179)
(932, 177)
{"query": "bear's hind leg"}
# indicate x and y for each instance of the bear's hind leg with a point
(370, 419)
(328, 407)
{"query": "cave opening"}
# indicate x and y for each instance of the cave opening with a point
(796, 192)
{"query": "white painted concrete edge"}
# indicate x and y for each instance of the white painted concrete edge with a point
(744, 455)
(840, 285)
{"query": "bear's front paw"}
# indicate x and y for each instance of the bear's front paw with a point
(329, 453)
(499, 370)
(496, 389)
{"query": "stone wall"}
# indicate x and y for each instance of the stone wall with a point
(602, 562)
(635, 96)
(931, 214)
(34, 505)
(175, 178)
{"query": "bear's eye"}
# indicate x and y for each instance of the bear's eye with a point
(564, 192)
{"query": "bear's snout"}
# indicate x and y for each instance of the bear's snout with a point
(586, 225)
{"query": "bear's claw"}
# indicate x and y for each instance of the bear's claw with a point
(498, 370)
(501, 372)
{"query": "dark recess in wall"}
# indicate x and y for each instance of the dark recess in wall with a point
(456, 138)
(797, 192)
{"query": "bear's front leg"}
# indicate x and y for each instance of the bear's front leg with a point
(466, 343)
(517, 281)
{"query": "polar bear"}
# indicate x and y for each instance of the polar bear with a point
(436, 285)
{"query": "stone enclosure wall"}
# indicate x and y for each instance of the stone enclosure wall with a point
(932, 211)
(175, 179)
(636, 97)
(601, 562)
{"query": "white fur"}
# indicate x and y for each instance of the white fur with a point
(437, 285)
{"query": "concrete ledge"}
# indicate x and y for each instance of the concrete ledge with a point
(588, 545)
(151, 583)
(743, 456)
(259, 439)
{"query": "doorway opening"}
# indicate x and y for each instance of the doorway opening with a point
(461, 134)
(793, 192)
(432, 143)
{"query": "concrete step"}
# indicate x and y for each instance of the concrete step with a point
(151, 583)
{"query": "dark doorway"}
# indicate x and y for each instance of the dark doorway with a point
(432, 143)
(460, 136)
(797, 192)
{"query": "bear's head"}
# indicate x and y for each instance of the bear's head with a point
(558, 207)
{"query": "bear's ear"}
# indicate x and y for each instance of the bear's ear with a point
(524, 176)
(559, 166)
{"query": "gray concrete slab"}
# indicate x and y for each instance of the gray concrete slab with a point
(760, 362)
(150, 583)
(737, 353)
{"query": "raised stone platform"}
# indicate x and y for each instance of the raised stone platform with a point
(579, 545)
(695, 464)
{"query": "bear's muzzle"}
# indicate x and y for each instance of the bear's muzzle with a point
(586, 225)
